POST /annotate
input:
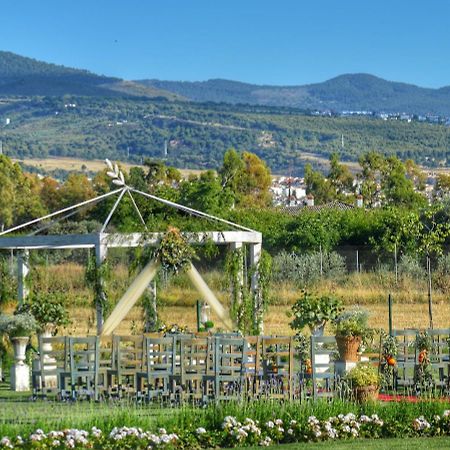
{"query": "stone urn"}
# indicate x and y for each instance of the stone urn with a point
(20, 372)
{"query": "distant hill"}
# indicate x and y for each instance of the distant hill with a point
(345, 92)
(26, 76)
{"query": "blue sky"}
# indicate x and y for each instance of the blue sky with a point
(266, 42)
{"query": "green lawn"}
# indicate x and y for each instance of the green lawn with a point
(371, 444)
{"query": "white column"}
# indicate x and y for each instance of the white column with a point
(23, 270)
(101, 250)
(238, 246)
(255, 255)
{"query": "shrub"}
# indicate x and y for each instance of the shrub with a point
(353, 323)
(304, 269)
(17, 325)
(314, 311)
(363, 375)
(441, 276)
(47, 308)
(409, 266)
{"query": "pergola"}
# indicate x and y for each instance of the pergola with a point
(102, 241)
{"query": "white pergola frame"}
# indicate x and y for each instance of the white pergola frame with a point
(103, 241)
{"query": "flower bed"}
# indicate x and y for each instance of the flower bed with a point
(235, 433)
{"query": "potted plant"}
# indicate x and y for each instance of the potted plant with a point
(351, 330)
(314, 311)
(49, 312)
(18, 328)
(365, 382)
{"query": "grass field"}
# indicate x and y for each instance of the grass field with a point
(77, 165)
(178, 299)
(372, 444)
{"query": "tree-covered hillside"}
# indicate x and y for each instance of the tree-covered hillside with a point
(197, 135)
(26, 76)
(345, 92)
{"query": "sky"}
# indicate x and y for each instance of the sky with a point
(283, 42)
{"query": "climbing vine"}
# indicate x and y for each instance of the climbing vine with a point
(247, 307)
(96, 277)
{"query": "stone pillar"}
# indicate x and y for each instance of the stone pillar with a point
(255, 255)
(23, 268)
(101, 251)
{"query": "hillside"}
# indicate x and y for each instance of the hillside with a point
(345, 92)
(196, 135)
(21, 76)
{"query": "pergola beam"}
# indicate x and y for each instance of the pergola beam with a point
(125, 240)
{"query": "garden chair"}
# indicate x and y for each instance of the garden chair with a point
(83, 370)
(440, 358)
(52, 361)
(229, 369)
(278, 366)
(406, 360)
(127, 361)
(252, 366)
(197, 369)
(323, 350)
(158, 367)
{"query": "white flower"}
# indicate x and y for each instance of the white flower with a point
(290, 431)
(446, 413)
(162, 431)
(270, 424)
(200, 430)
(278, 422)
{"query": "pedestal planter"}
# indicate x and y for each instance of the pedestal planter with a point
(20, 372)
(348, 347)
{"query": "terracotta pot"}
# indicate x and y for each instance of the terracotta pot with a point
(348, 347)
(366, 394)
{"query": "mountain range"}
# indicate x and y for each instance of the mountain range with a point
(351, 92)
(20, 75)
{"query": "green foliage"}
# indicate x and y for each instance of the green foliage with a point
(363, 375)
(47, 309)
(18, 325)
(305, 269)
(174, 253)
(314, 311)
(353, 323)
(96, 276)
(409, 266)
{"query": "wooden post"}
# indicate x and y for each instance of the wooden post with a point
(396, 263)
(390, 314)
(430, 299)
(199, 307)
(321, 260)
(23, 268)
(255, 255)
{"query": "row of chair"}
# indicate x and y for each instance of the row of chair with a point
(175, 367)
